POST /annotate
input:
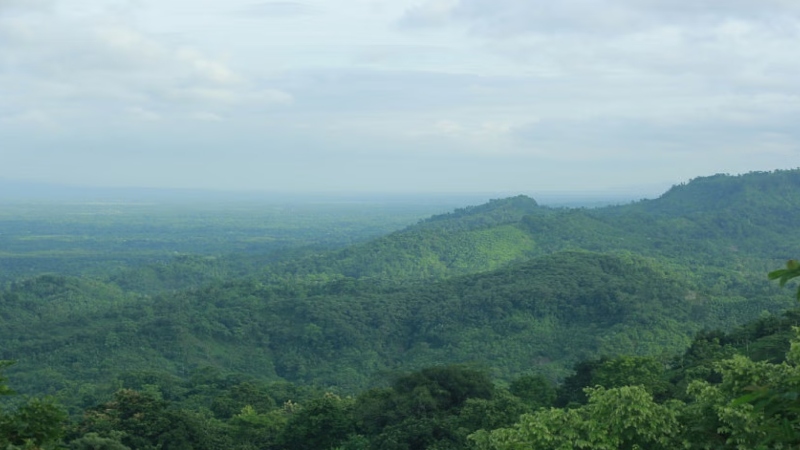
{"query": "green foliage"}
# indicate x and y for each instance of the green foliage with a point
(752, 405)
(619, 418)
(791, 271)
(511, 285)
(540, 316)
(321, 423)
(572, 389)
(443, 387)
(36, 423)
(145, 422)
(4, 389)
(646, 372)
(261, 430)
(498, 211)
(432, 408)
(503, 409)
(535, 390)
(244, 395)
(749, 405)
(93, 441)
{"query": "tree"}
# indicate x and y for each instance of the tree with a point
(146, 422)
(632, 371)
(619, 418)
(534, 390)
(93, 441)
(38, 423)
(320, 424)
(433, 408)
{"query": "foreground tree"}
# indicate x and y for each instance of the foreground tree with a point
(752, 405)
(619, 418)
(37, 424)
(140, 420)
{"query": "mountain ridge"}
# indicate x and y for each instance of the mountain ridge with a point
(720, 214)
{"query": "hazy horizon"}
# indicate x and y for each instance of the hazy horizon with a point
(16, 191)
(408, 96)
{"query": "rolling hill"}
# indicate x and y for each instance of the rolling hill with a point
(510, 285)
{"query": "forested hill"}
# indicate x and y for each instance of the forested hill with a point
(510, 284)
(778, 190)
(710, 221)
(721, 217)
(468, 240)
(541, 315)
(494, 213)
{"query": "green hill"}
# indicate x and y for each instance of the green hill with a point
(542, 315)
(468, 240)
(509, 284)
(740, 224)
(766, 190)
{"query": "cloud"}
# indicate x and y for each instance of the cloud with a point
(206, 116)
(615, 139)
(272, 96)
(429, 13)
(73, 69)
(448, 127)
(210, 96)
(503, 90)
(508, 18)
(212, 70)
(122, 49)
(502, 18)
(481, 135)
(634, 54)
(17, 6)
(31, 118)
(125, 48)
(739, 9)
(276, 9)
(207, 95)
(144, 114)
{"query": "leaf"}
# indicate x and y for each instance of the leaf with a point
(791, 271)
(775, 274)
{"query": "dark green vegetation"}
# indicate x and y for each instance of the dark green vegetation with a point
(711, 396)
(282, 330)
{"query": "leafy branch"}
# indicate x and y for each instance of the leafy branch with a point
(792, 270)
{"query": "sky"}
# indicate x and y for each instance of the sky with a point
(397, 96)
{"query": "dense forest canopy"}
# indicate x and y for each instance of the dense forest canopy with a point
(504, 325)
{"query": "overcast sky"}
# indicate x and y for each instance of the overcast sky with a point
(397, 95)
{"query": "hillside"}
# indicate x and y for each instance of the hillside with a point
(740, 224)
(542, 315)
(510, 284)
(755, 190)
(468, 240)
